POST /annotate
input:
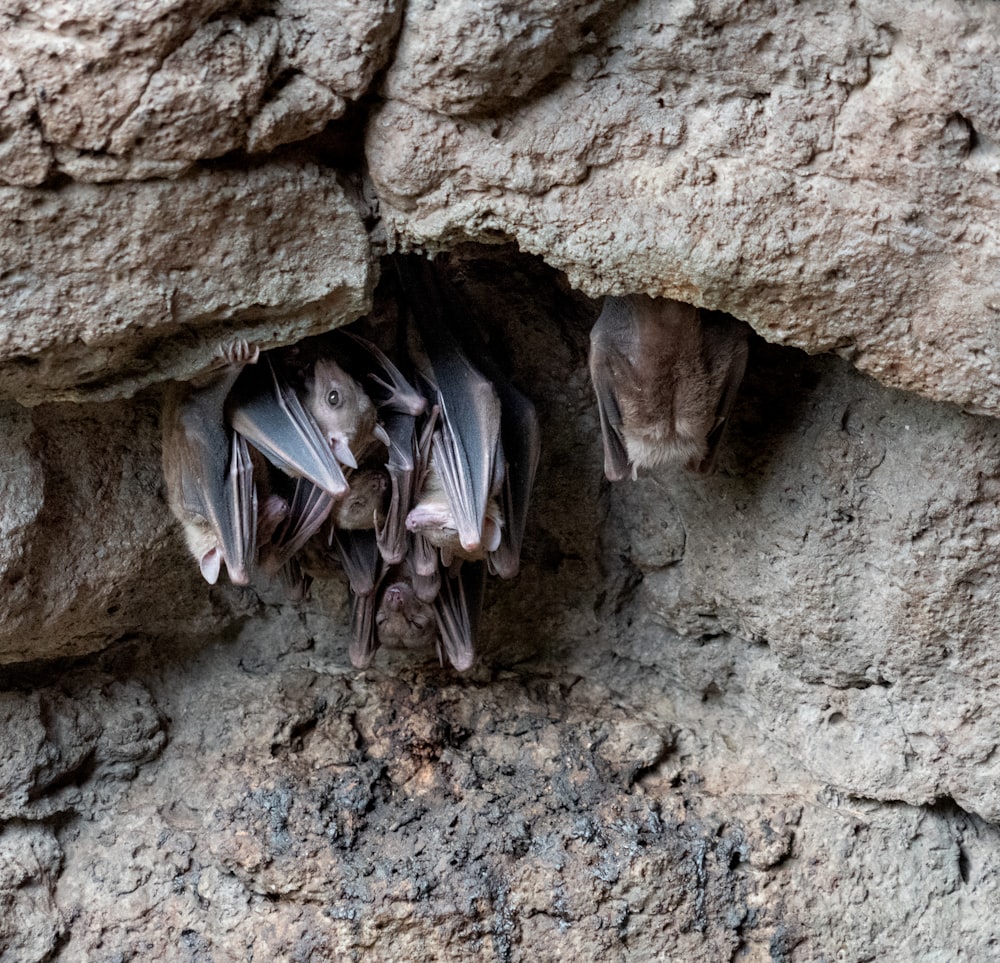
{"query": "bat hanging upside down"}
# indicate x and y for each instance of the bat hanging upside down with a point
(666, 375)
(325, 451)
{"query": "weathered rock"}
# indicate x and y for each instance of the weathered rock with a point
(139, 90)
(523, 815)
(852, 532)
(89, 552)
(819, 174)
(107, 289)
(463, 57)
(745, 716)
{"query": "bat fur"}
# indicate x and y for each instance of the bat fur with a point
(665, 375)
(207, 469)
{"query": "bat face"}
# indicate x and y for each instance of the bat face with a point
(403, 620)
(344, 413)
(364, 505)
(665, 375)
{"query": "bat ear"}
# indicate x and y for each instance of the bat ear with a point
(211, 565)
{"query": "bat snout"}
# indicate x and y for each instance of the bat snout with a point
(238, 574)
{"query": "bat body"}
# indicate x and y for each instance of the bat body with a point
(665, 375)
(433, 516)
(208, 472)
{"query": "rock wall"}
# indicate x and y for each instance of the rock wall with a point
(744, 717)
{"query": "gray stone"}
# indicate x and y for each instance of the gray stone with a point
(145, 89)
(820, 174)
(110, 288)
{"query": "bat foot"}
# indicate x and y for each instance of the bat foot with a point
(239, 352)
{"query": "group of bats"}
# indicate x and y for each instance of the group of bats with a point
(414, 478)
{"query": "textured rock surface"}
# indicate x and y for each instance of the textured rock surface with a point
(745, 717)
(141, 89)
(107, 289)
(824, 175)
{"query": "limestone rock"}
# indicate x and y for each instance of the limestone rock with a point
(751, 715)
(461, 57)
(138, 90)
(821, 175)
(89, 552)
(109, 288)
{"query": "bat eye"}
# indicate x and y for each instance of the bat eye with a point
(333, 398)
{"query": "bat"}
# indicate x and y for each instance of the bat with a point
(327, 373)
(208, 471)
(403, 620)
(364, 506)
(457, 609)
(472, 496)
(666, 376)
(409, 454)
(466, 446)
(265, 409)
(360, 557)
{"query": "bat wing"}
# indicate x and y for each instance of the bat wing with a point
(469, 404)
(725, 345)
(612, 342)
(308, 509)
(360, 557)
(402, 466)
(457, 608)
(294, 581)
(265, 409)
(521, 449)
(238, 533)
(364, 638)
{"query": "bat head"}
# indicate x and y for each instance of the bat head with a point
(204, 544)
(344, 413)
(364, 505)
(403, 621)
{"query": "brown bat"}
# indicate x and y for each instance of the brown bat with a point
(208, 472)
(403, 620)
(344, 413)
(666, 376)
(364, 506)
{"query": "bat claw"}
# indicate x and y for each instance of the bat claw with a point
(240, 352)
